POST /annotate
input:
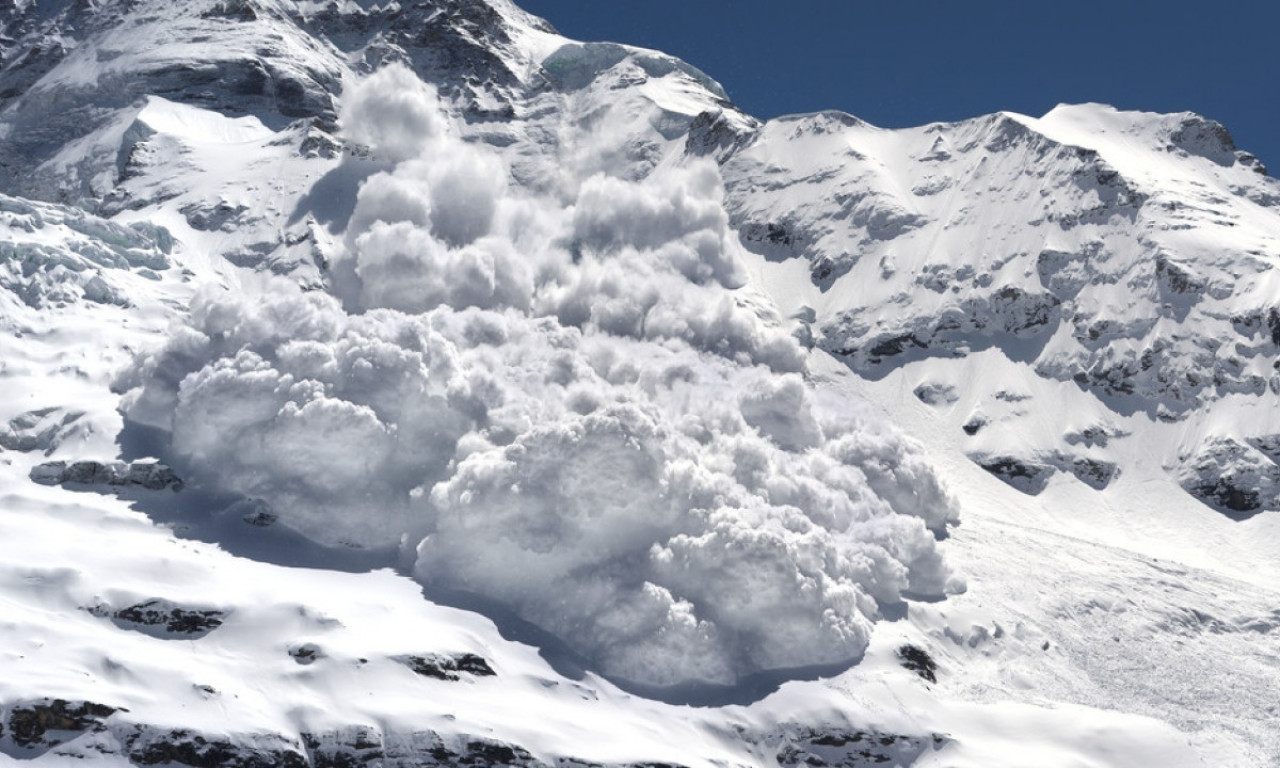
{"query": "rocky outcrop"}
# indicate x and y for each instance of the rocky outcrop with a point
(918, 660)
(150, 475)
(148, 746)
(451, 668)
(1007, 311)
(40, 430)
(164, 618)
(50, 722)
(36, 727)
(847, 748)
(1232, 477)
(1031, 474)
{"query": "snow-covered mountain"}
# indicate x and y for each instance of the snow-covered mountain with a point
(407, 384)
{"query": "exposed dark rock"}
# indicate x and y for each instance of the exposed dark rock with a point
(1031, 475)
(936, 394)
(1175, 278)
(232, 10)
(1064, 273)
(773, 233)
(1017, 311)
(894, 345)
(816, 748)
(306, 653)
(1098, 435)
(211, 217)
(712, 133)
(1231, 477)
(431, 749)
(1268, 445)
(353, 747)
(989, 316)
(1223, 493)
(448, 667)
(919, 661)
(1206, 138)
(162, 617)
(30, 725)
(148, 746)
(1095, 473)
(150, 475)
(974, 425)
(1027, 476)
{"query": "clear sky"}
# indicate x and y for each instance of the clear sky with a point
(898, 63)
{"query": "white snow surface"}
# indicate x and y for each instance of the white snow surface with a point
(701, 404)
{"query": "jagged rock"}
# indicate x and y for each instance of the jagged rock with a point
(209, 217)
(1268, 445)
(150, 475)
(1095, 473)
(1231, 477)
(147, 746)
(1031, 475)
(30, 724)
(346, 748)
(1176, 278)
(1028, 477)
(1209, 139)
(918, 660)
(1008, 311)
(816, 748)
(1099, 435)
(164, 618)
(449, 668)
(432, 749)
(714, 134)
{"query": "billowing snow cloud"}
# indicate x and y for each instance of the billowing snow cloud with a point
(577, 410)
(393, 112)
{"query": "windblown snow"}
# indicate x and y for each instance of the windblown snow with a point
(948, 446)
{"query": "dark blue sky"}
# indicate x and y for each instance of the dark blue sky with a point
(898, 63)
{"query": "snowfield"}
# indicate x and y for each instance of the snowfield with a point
(414, 386)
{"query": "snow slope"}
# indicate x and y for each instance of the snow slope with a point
(427, 296)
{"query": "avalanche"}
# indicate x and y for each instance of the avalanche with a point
(945, 446)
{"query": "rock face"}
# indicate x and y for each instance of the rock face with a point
(53, 721)
(151, 475)
(938, 241)
(1235, 478)
(88, 731)
(1031, 475)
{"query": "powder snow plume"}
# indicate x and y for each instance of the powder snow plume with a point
(575, 407)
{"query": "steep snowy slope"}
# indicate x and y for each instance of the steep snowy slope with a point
(1130, 254)
(553, 331)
